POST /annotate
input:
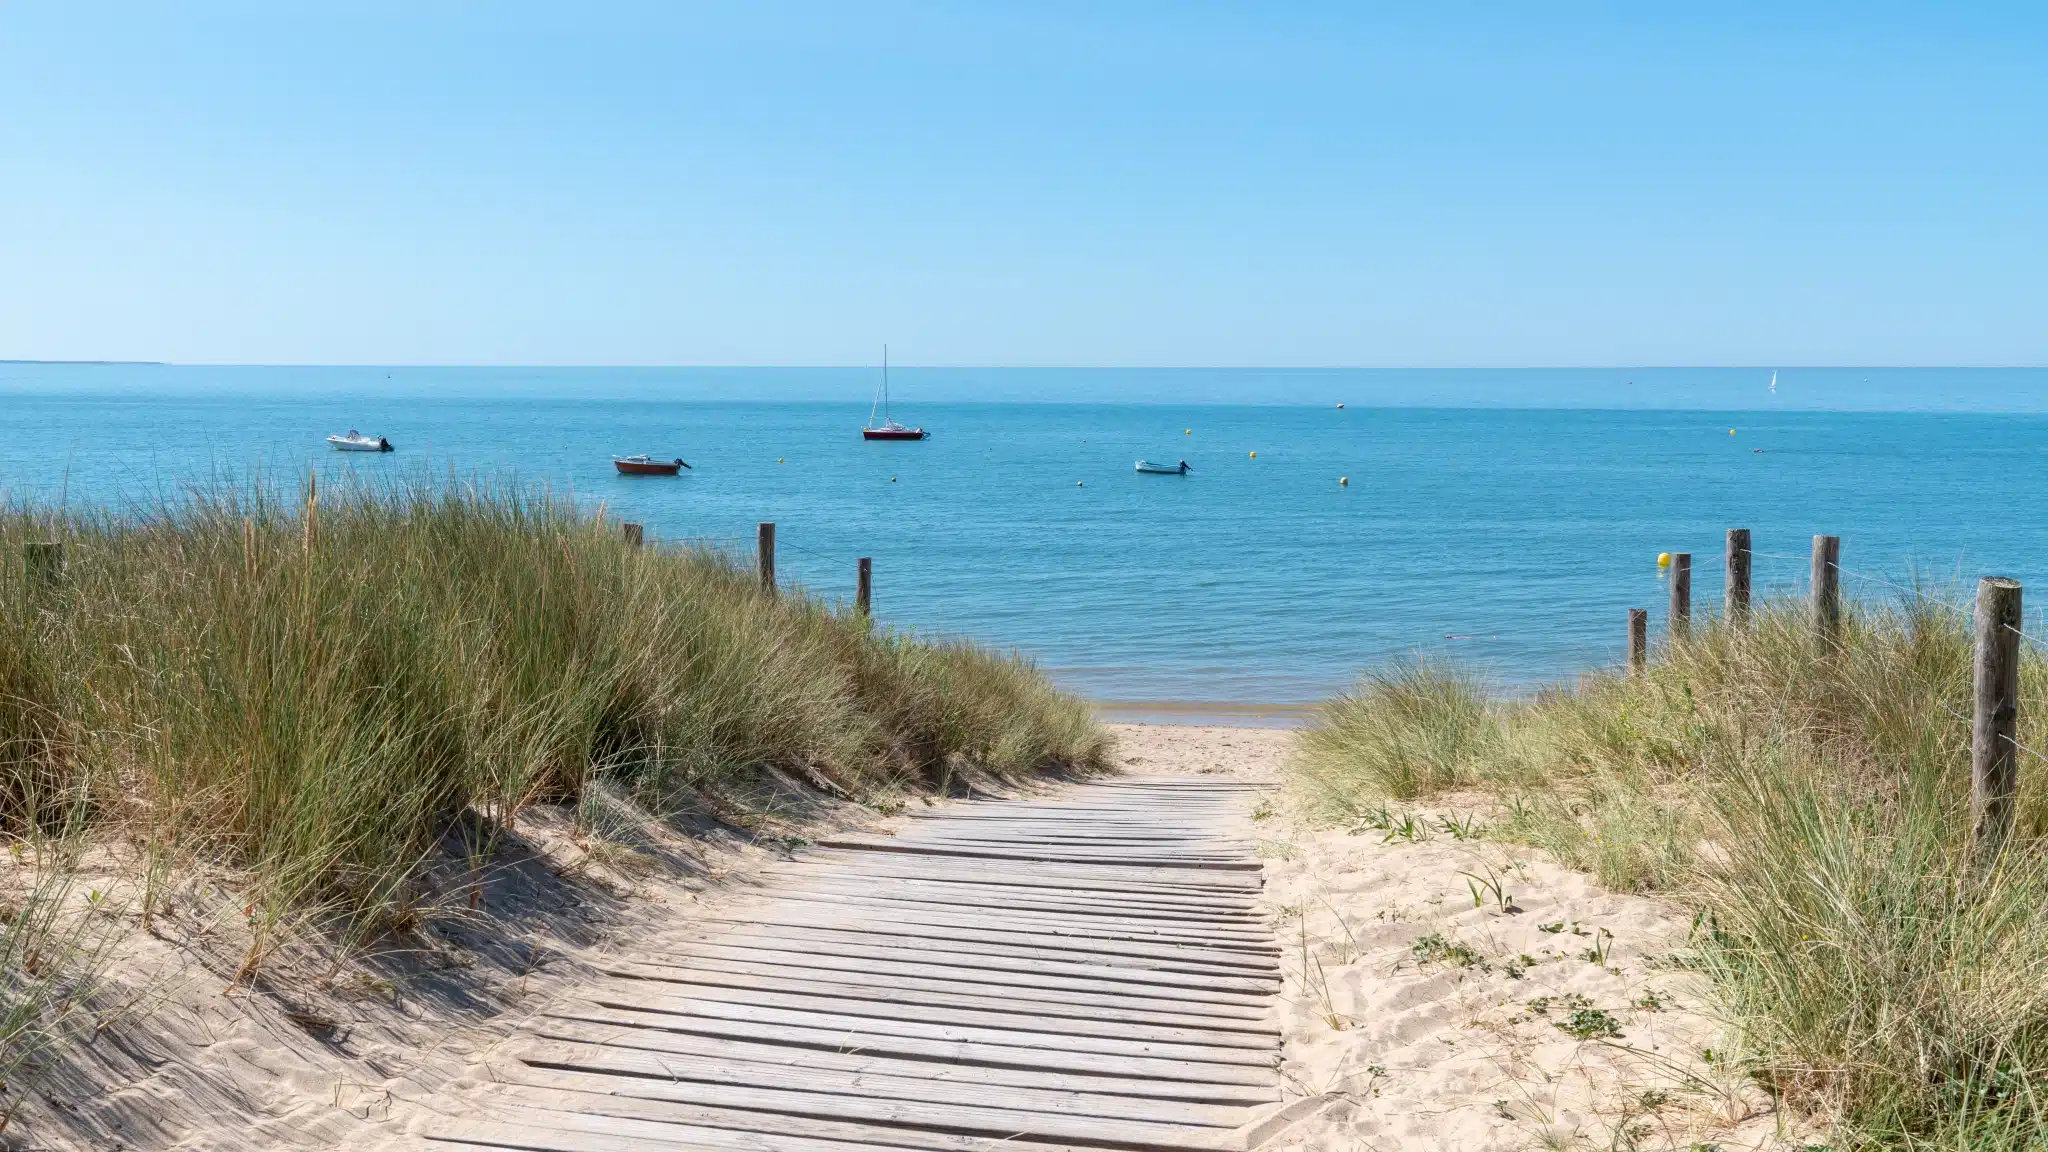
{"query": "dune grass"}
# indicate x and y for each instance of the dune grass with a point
(307, 690)
(1810, 803)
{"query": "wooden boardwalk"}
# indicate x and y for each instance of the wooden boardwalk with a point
(1084, 971)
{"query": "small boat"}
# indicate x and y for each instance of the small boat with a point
(1150, 469)
(888, 429)
(642, 465)
(357, 442)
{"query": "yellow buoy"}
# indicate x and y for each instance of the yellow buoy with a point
(1663, 559)
(1343, 481)
(1187, 431)
(1731, 431)
(1255, 455)
(778, 459)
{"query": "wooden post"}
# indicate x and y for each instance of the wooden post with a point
(764, 546)
(1681, 595)
(44, 561)
(1735, 606)
(1826, 600)
(864, 586)
(635, 535)
(1994, 757)
(1638, 640)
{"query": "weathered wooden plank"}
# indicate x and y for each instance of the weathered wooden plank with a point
(652, 1030)
(853, 1028)
(741, 947)
(1225, 888)
(1099, 923)
(637, 994)
(910, 993)
(877, 1083)
(1048, 855)
(796, 923)
(690, 1046)
(629, 1124)
(1102, 914)
(1153, 903)
(995, 981)
(730, 1129)
(977, 1121)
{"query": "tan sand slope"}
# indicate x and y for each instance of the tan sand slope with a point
(1427, 1022)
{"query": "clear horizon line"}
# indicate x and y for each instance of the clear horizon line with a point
(1070, 367)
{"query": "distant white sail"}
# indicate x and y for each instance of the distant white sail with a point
(1774, 381)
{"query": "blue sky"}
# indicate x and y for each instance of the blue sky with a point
(1011, 183)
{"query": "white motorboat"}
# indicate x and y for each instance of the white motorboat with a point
(357, 442)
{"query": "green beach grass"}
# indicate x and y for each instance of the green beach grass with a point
(1810, 805)
(306, 692)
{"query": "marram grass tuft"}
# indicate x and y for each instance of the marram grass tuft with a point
(310, 689)
(1809, 801)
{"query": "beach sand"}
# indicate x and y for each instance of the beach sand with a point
(1426, 1022)
(1416, 1019)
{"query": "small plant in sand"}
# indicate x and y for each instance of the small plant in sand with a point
(1460, 827)
(1590, 1024)
(1603, 944)
(1435, 950)
(1490, 888)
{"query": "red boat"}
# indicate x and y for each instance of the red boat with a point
(642, 466)
(889, 429)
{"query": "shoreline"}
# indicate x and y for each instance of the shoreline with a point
(1204, 713)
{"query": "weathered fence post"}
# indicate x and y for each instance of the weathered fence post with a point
(1826, 601)
(1681, 595)
(764, 546)
(1638, 639)
(1735, 605)
(44, 562)
(1994, 755)
(635, 534)
(864, 586)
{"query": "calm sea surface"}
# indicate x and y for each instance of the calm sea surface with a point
(1513, 538)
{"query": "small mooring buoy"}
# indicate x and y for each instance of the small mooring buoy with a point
(1255, 455)
(1080, 483)
(1663, 559)
(1187, 431)
(1731, 431)
(1343, 481)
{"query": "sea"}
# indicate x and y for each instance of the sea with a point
(1332, 521)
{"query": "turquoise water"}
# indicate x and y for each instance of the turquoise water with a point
(1514, 538)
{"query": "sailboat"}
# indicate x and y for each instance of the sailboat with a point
(1774, 381)
(888, 429)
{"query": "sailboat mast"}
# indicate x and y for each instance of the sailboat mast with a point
(885, 385)
(885, 382)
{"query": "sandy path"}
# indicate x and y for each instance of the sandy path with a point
(1542, 1014)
